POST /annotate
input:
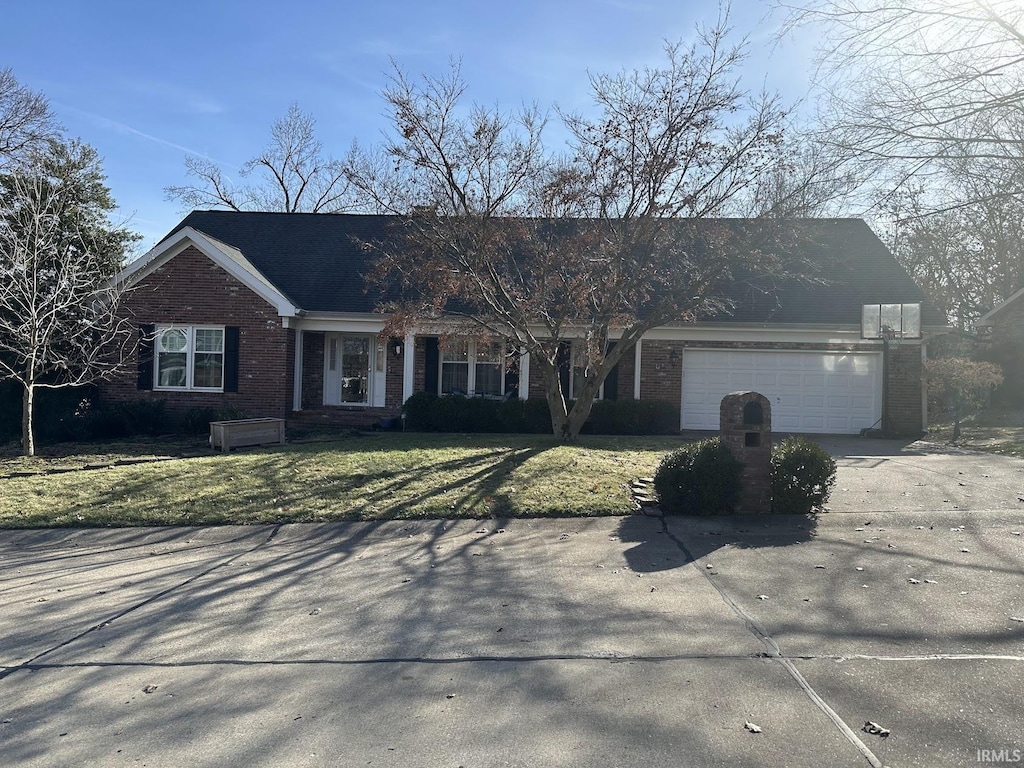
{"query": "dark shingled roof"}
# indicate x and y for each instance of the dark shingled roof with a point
(316, 261)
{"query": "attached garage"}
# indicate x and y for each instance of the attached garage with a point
(823, 392)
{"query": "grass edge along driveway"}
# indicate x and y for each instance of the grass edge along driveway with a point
(360, 477)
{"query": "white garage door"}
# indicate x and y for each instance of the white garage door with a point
(830, 392)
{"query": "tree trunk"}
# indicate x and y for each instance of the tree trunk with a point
(566, 425)
(28, 440)
(956, 416)
(560, 427)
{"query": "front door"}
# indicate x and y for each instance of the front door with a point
(346, 369)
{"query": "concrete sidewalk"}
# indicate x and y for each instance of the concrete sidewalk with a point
(629, 641)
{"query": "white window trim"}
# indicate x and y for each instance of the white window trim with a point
(471, 362)
(190, 352)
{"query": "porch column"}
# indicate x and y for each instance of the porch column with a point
(637, 358)
(297, 381)
(524, 374)
(408, 366)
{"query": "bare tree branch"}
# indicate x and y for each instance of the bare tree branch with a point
(26, 123)
(292, 174)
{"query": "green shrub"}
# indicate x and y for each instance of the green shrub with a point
(511, 417)
(803, 474)
(536, 416)
(96, 421)
(701, 478)
(10, 410)
(481, 414)
(196, 421)
(425, 412)
(420, 410)
(145, 417)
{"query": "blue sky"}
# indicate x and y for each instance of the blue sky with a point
(146, 82)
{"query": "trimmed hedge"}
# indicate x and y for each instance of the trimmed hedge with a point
(426, 412)
(700, 478)
(633, 417)
(803, 475)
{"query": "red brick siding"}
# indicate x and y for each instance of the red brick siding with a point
(420, 365)
(660, 378)
(537, 387)
(191, 289)
(904, 371)
(396, 371)
(312, 369)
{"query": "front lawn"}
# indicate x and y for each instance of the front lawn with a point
(359, 477)
(992, 431)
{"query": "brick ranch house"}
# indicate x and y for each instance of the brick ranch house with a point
(268, 314)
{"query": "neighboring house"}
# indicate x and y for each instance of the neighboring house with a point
(1006, 321)
(1001, 332)
(268, 313)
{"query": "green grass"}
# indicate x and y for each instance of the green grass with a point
(370, 477)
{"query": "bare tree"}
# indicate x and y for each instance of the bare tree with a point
(923, 83)
(967, 257)
(962, 384)
(26, 123)
(292, 175)
(59, 325)
(597, 246)
(811, 180)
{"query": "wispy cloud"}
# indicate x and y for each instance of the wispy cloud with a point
(125, 129)
(179, 97)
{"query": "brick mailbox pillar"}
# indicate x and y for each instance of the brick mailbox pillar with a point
(746, 428)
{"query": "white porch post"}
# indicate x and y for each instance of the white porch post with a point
(408, 366)
(637, 358)
(524, 374)
(297, 382)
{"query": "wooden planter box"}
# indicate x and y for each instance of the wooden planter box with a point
(226, 435)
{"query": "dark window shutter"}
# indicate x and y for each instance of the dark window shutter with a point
(432, 369)
(611, 381)
(146, 338)
(564, 359)
(231, 358)
(611, 384)
(512, 377)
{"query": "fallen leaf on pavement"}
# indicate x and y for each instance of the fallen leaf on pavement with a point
(875, 729)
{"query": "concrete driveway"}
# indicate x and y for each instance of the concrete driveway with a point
(635, 641)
